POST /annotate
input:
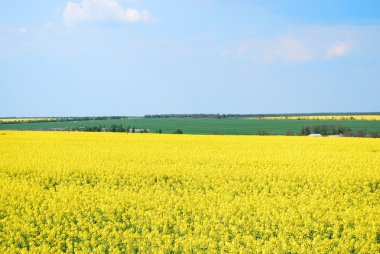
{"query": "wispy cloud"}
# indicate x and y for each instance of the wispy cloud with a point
(102, 10)
(281, 48)
(291, 49)
(340, 49)
(306, 44)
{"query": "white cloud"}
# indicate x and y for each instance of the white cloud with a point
(281, 48)
(102, 10)
(340, 49)
(307, 44)
(292, 49)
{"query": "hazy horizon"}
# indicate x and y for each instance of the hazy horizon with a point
(281, 113)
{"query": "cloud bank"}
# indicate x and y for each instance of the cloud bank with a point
(102, 10)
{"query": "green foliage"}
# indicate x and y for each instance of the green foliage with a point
(326, 130)
(262, 132)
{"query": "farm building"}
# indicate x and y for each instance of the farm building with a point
(315, 135)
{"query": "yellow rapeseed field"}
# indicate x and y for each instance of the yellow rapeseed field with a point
(328, 117)
(23, 120)
(151, 193)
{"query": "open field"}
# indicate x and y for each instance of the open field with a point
(24, 120)
(150, 193)
(239, 126)
(321, 117)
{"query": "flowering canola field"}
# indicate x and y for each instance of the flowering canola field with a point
(327, 117)
(66, 192)
(22, 120)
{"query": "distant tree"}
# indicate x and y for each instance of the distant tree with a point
(361, 134)
(374, 135)
(262, 133)
(324, 130)
(305, 130)
(290, 133)
(339, 130)
(316, 129)
(178, 131)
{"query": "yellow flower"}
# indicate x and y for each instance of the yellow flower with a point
(135, 193)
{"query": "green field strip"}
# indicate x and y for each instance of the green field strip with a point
(202, 126)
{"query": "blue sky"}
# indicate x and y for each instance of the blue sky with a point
(136, 57)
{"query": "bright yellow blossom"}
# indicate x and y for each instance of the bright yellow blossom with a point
(325, 117)
(150, 193)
